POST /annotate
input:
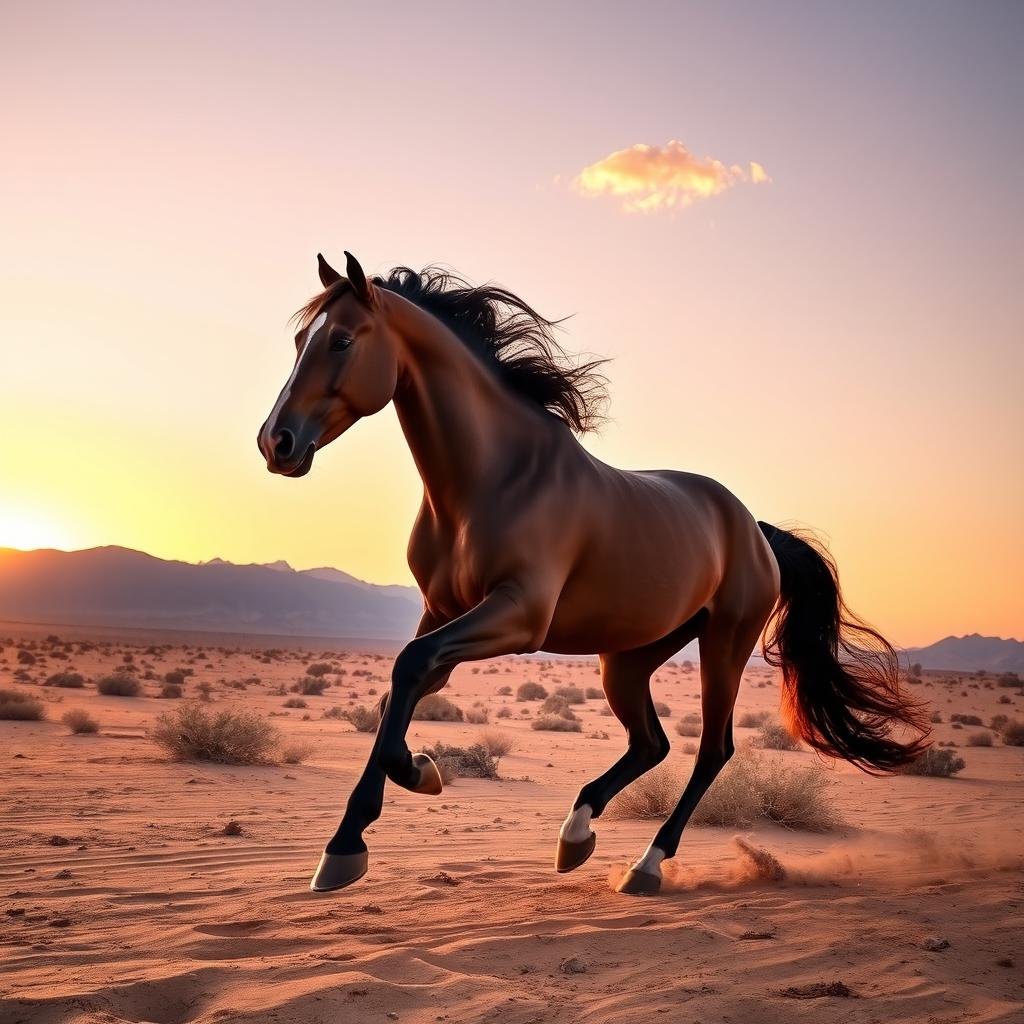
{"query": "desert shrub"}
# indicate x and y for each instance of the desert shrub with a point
(435, 708)
(594, 693)
(474, 762)
(496, 742)
(966, 719)
(191, 733)
(1013, 733)
(80, 722)
(940, 764)
(26, 657)
(318, 669)
(295, 702)
(503, 713)
(571, 694)
(171, 691)
(16, 706)
(753, 719)
(936, 718)
(979, 739)
(310, 687)
(775, 736)
(176, 677)
(504, 691)
(67, 680)
(363, 718)
(1009, 679)
(556, 723)
(531, 691)
(750, 788)
(662, 709)
(556, 705)
(686, 727)
(119, 686)
(296, 752)
(477, 716)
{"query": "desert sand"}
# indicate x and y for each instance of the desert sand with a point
(121, 898)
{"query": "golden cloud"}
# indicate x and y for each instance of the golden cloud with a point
(646, 178)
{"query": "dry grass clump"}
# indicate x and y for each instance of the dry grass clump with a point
(556, 723)
(67, 680)
(170, 691)
(689, 725)
(966, 719)
(504, 691)
(297, 752)
(310, 687)
(474, 762)
(176, 677)
(496, 742)
(363, 718)
(571, 694)
(191, 733)
(477, 715)
(979, 739)
(119, 686)
(775, 736)
(531, 691)
(1013, 733)
(80, 722)
(749, 789)
(939, 764)
(662, 709)
(16, 706)
(594, 693)
(753, 719)
(435, 708)
(318, 669)
(295, 702)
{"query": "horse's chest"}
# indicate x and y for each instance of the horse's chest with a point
(444, 569)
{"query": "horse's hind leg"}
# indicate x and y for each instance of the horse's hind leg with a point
(626, 677)
(725, 646)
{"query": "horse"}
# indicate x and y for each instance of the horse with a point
(526, 542)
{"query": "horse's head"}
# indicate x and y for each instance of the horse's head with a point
(346, 367)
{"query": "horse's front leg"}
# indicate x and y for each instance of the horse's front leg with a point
(507, 621)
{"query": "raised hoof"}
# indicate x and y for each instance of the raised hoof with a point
(571, 855)
(430, 777)
(639, 883)
(336, 870)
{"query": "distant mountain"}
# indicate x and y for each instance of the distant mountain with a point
(113, 586)
(970, 653)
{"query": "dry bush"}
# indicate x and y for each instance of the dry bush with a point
(16, 706)
(474, 762)
(176, 677)
(979, 739)
(170, 691)
(684, 727)
(66, 680)
(966, 719)
(556, 723)
(749, 789)
(504, 691)
(477, 716)
(594, 693)
(662, 709)
(310, 687)
(435, 708)
(753, 719)
(496, 742)
(531, 691)
(296, 752)
(1013, 733)
(936, 718)
(318, 669)
(503, 713)
(775, 736)
(191, 733)
(80, 722)
(119, 686)
(295, 702)
(363, 718)
(939, 764)
(571, 694)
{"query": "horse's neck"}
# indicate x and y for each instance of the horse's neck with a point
(458, 419)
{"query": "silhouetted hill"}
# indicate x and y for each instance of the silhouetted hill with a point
(970, 653)
(113, 586)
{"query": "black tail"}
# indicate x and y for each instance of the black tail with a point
(847, 708)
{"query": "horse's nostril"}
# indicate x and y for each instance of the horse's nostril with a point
(284, 444)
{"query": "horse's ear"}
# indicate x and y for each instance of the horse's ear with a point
(365, 291)
(328, 275)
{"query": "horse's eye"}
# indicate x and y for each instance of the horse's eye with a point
(340, 342)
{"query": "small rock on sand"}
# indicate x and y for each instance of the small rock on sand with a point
(572, 965)
(934, 943)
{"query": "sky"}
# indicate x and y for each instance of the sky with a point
(795, 229)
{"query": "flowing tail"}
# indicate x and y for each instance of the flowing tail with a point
(841, 686)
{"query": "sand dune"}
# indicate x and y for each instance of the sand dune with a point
(146, 911)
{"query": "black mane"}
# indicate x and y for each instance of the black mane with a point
(506, 334)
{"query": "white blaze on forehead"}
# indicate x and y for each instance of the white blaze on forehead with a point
(286, 391)
(315, 326)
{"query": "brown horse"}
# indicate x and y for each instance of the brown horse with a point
(526, 542)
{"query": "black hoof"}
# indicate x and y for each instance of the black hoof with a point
(571, 855)
(336, 870)
(430, 777)
(639, 883)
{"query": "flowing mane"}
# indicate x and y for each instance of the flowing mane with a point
(505, 333)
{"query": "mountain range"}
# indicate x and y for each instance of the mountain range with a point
(115, 586)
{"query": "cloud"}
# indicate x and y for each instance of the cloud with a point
(647, 178)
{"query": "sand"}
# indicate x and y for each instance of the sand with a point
(146, 911)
